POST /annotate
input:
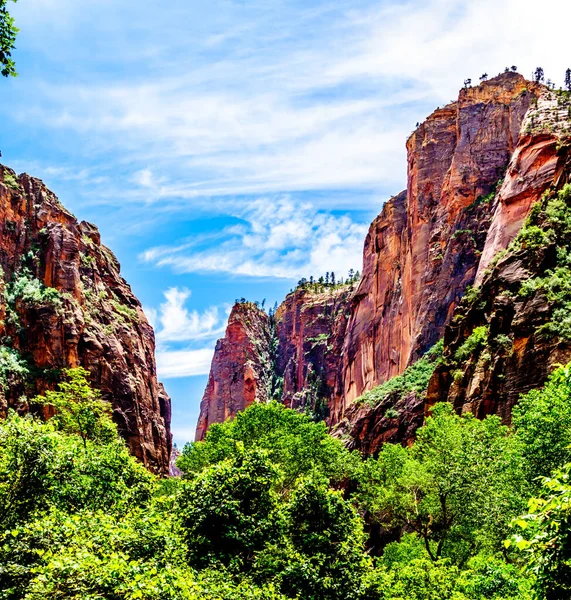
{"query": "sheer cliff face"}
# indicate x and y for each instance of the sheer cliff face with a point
(423, 250)
(241, 370)
(63, 304)
(310, 328)
(475, 167)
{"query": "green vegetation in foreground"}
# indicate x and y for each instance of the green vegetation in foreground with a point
(272, 507)
(414, 379)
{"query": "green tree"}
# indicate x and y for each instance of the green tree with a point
(457, 487)
(79, 408)
(294, 442)
(230, 511)
(322, 555)
(8, 32)
(542, 421)
(546, 539)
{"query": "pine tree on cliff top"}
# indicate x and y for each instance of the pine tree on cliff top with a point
(568, 80)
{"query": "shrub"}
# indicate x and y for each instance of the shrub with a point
(414, 379)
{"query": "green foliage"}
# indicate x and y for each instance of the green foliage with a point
(294, 442)
(80, 409)
(8, 33)
(31, 291)
(546, 539)
(473, 344)
(9, 178)
(321, 555)
(124, 312)
(13, 367)
(542, 421)
(256, 516)
(456, 488)
(414, 379)
(230, 511)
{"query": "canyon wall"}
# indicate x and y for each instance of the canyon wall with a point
(475, 169)
(423, 250)
(241, 371)
(63, 303)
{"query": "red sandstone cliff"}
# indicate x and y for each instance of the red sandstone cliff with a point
(423, 250)
(310, 329)
(426, 247)
(63, 304)
(241, 370)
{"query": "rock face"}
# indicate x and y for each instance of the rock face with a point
(64, 304)
(423, 250)
(538, 162)
(475, 169)
(241, 371)
(310, 328)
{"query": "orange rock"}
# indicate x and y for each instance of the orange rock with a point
(96, 321)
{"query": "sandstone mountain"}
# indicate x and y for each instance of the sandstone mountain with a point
(63, 303)
(475, 169)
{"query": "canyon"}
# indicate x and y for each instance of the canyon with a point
(476, 167)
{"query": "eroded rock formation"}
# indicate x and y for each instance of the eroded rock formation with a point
(63, 303)
(423, 250)
(241, 371)
(475, 168)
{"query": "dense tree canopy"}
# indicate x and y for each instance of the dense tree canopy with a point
(272, 507)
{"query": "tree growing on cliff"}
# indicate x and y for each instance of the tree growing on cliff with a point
(8, 32)
(568, 80)
(484, 77)
(539, 75)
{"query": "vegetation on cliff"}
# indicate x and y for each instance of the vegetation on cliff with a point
(272, 507)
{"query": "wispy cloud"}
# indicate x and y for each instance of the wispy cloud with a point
(173, 364)
(179, 330)
(176, 323)
(277, 238)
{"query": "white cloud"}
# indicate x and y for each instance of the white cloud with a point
(280, 237)
(183, 363)
(175, 323)
(238, 99)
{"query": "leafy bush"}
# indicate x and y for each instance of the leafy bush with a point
(13, 367)
(413, 379)
(31, 291)
(473, 344)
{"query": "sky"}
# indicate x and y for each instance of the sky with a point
(225, 149)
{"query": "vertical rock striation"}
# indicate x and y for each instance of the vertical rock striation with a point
(423, 250)
(310, 328)
(241, 370)
(63, 303)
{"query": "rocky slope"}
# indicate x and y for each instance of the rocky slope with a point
(63, 304)
(475, 169)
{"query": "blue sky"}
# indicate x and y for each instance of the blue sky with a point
(227, 148)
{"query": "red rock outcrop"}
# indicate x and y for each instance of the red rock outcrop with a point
(64, 304)
(241, 371)
(538, 162)
(423, 250)
(310, 328)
